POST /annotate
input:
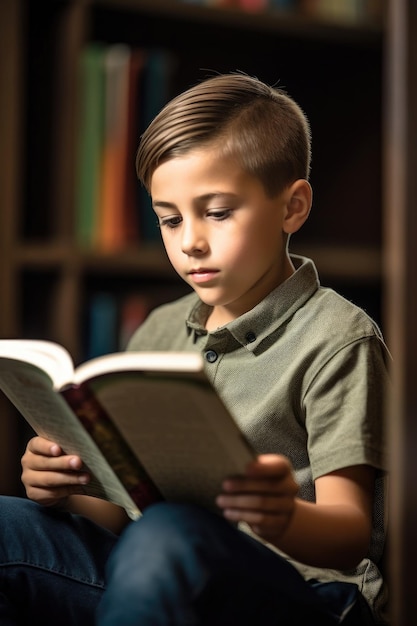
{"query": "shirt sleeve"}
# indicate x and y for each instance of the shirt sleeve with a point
(344, 409)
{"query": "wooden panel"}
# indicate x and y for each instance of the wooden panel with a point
(401, 301)
(10, 95)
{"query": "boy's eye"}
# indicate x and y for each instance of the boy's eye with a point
(170, 222)
(219, 214)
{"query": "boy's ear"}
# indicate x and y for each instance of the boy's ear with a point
(299, 202)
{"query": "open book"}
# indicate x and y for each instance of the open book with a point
(149, 426)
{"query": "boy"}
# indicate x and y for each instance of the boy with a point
(302, 370)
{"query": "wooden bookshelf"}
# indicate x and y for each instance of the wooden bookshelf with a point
(400, 303)
(346, 76)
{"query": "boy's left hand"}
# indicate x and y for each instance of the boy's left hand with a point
(264, 497)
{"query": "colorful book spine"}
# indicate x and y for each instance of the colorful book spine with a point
(121, 89)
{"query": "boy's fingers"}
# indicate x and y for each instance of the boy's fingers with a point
(270, 465)
(268, 487)
(42, 446)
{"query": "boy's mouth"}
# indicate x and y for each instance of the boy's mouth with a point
(202, 274)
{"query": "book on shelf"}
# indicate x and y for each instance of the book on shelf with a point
(111, 317)
(156, 89)
(253, 5)
(149, 426)
(102, 324)
(287, 5)
(134, 309)
(110, 233)
(121, 90)
(89, 143)
(118, 216)
(343, 11)
(130, 209)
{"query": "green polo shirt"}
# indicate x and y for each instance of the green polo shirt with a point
(304, 374)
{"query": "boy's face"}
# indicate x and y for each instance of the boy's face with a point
(222, 234)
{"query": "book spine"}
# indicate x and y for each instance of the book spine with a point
(131, 186)
(156, 86)
(112, 445)
(111, 232)
(134, 311)
(102, 325)
(89, 143)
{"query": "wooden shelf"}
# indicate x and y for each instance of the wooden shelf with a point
(353, 263)
(356, 264)
(149, 259)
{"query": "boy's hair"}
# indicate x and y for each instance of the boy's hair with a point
(258, 125)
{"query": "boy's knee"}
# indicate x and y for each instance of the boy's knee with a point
(165, 525)
(167, 533)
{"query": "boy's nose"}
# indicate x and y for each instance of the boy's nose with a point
(193, 240)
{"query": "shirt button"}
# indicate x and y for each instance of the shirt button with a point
(250, 337)
(211, 356)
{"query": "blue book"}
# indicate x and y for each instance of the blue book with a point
(156, 91)
(102, 325)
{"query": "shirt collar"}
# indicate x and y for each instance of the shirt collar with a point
(252, 328)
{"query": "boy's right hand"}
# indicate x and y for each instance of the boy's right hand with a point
(49, 475)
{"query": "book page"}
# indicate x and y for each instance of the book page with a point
(180, 430)
(138, 361)
(54, 359)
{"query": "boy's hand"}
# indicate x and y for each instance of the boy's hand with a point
(49, 475)
(264, 497)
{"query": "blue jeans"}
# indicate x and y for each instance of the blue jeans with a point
(178, 565)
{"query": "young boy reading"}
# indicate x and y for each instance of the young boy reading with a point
(299, 536)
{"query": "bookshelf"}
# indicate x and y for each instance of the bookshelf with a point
(336, 69)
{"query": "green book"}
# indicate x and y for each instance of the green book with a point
(90, 143)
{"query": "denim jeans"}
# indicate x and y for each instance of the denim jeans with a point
(178, 565)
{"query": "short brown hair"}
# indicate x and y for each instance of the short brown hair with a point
(260, 126)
